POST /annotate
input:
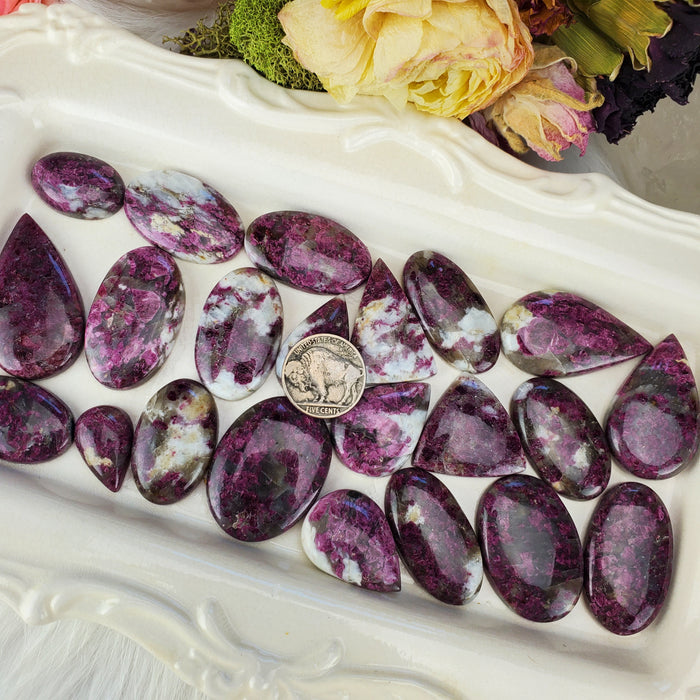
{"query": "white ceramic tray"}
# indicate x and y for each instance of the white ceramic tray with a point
(259, 620)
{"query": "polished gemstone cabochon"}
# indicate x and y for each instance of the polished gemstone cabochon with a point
(346, 535)
(183, 215)
(380, 433)
(78, 185)
(268, 468)
(454, 315)
(653, 425)
(562, 438)
(308, 251)
(104, 436)
(134, 318)
(628, 558)
(553, 333)
(174, 441)
(35, 425)
(239, 334)
(531, 548)
(434, 537)
(388, 334)
(469, 433)
(41, 312)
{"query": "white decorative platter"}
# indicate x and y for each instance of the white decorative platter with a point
(258, 621)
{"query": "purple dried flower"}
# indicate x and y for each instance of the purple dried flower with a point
(477, 122)
(675, 61)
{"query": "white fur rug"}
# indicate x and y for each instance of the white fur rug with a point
(148, 20)
(72, 660)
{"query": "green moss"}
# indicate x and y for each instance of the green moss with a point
(209, 41)
(257, 34)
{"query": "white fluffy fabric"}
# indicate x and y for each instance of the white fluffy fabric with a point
(151, 21)
(71, 660)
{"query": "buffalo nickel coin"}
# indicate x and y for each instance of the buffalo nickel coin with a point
(323, 375)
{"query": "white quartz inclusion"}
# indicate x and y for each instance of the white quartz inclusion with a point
(185, 447)
(581, 463)
(386, 359)
(474, 570)
(339, 434)
(226, 387)
(473, 327)
(514, 319)
(171, 325)
(308, 544)
(92, 459)
(303, 329)
(251, 287)
(351, 569)
(581, 460)
(70, 194)
(409, 427)
(397, 435)
(168, 186)
(414, 514)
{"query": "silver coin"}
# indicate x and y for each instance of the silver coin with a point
(323, 375)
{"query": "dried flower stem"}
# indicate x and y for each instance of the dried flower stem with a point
(209, 41)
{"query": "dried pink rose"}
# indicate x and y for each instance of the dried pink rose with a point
(8, 6)
(548, 110)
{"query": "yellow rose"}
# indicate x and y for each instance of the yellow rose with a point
(448, 57)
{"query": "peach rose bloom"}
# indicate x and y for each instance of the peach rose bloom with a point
(448, 57)
(7, 6)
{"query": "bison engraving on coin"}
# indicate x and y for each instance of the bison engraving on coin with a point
(323, 375)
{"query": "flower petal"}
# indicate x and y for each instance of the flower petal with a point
(448, 57)
(548, 111)
(337, 52)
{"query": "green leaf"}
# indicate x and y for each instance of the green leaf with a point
(593, 53)
(630, 24)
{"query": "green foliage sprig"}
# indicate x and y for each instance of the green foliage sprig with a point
(209, 41)
(250, 30)
(257, 34)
